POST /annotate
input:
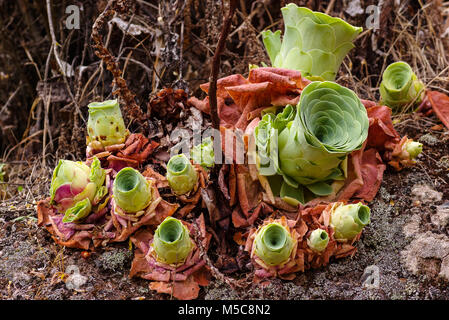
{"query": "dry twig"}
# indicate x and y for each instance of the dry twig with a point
(216, 65)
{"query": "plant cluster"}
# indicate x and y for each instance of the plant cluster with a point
(320, 153)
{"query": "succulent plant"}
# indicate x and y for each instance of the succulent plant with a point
(171, 242)
(313, 43)
(310, 151)
(105, 125)
(181, 175)
(203, 154)
(400, 86)
(414, 148)
(318, 240)
(131, 191)
(349, 220)
(75, 181)
(273, 244)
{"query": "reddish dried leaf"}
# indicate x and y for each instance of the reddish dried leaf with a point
(440, 104)
(182, 290)
(365, 174)
(381, 131)
(237, 97)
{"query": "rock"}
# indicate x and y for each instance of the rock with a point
(428, 254)
(429, 140)
(426, 194)
(412, 227)
(354, 8)
(441, 217)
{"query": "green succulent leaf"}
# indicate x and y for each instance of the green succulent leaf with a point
(320, 188)
(400, 86)
(203, 154)
(266, 142)
(292, 195)
(78, 212)
(273, 244)
(349, 220)
(132, 192)
(284, 118)
(181, 175)
(172, 242)
(100, 194)
(313, 42)
(318, 240)
(105, 124)
(97, 175)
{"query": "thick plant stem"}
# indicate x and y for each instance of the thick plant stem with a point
(216, 65)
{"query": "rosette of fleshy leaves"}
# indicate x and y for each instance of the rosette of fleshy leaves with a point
(400, 86)
(303, 150)
(313, 42)
(132, 195)
(171, 259)
(109, 140)
(76, 188)
(273, 248)
(186, 180)
(348, 220)
(318, 240)
(171, 242)
(105, 125)
(404, 153)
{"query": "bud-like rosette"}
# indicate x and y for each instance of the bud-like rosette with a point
(203, 154)
(273, 244)
(171, 242)
(181, 175)
(132, 192)
(105, 125)
(75, 181)
(413, 148)
(318, 240)
(349, 220)
(313, 43)
(404, 153)
(400, 86)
